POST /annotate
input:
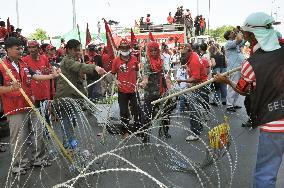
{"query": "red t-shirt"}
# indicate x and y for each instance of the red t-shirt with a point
(126, 74)
(205, 71)
(3, 32)
(107, 62)
(148, 19)
(40, 89)
(170, 19)
(196, 69)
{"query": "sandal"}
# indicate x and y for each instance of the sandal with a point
(2, 148)
(19, 170)
(41, 163)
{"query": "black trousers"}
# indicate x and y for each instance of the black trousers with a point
(149, 109)
(126, 100)
(198, 97)
(46, 111)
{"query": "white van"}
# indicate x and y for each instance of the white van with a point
(201, 39)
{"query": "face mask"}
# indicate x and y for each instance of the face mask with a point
(124, 53)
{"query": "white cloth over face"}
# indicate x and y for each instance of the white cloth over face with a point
(260, 24)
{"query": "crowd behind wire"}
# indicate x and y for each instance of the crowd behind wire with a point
(175, 62)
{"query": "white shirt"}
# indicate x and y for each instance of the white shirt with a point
(166, 59)
(181, 75)
(175, 58)
(15, 65)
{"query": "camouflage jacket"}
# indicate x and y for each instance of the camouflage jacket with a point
(152, 89)
(73, 70)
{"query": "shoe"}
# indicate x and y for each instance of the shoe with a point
(237, 107)
(192, 138)
(125, 136)
(214, 104)
(146, 139)
(167, 135)
(2, 148)
(19, 170)
(41, 163)
(231, 109)
(224, 103)
(246, 124)
(29, 142)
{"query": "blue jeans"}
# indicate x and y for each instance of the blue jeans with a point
(198, 98)
(269, 158)
(221, 91)
(97, 91)
(182, 103)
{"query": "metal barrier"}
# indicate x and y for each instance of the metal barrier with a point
(161, 28)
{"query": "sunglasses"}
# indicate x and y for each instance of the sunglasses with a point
(124, 47)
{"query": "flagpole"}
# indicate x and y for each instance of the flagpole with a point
(17, 11)
(209, 17)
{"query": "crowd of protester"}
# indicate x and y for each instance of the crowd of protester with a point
(181, 16)
(187, 65)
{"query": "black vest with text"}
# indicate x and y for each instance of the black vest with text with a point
(268, 97)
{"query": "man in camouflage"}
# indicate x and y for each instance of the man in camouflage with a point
(73, 69)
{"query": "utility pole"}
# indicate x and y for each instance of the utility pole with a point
(74, 14)
(197, 7)
(209, 17)
(17, 11)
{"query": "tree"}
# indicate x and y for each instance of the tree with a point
(127, 30)
(39, 34)
(219, 32)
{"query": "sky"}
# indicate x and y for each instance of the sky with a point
(55, 16)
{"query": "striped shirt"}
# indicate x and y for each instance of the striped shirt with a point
(248, 75)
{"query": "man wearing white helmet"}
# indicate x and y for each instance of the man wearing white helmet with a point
(266, 68)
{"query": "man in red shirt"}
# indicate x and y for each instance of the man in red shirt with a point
(17, 109)
(52, 60)
(3, 32)
(148, 21)
(170, 19)
(197, 74)
(107, 64)
(51, 53)
(126, 67)
(40, 65)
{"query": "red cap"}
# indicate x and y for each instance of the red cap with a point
(50, 47)
(33, 43)
(124, 42)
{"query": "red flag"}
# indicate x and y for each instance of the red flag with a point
(133, 38)
(110, 42)
(88, 35)
(8, 26)
(151, 37)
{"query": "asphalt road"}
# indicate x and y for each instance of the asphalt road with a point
(170, 162)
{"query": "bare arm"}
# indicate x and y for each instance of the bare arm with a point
(43, 77)
(192, 80)
(144, 81)
(6, 89)
(224, 79)
(54, 74)
(213, 62)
